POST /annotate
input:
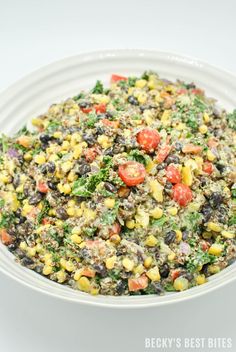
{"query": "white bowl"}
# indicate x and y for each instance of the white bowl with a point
(33, 94)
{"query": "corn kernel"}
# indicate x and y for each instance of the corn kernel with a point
(178, 235)
(153, 274)
(212, 226)
(61, 276)
(206, 117)
(57, 134)
(142, 218)
(110, 262)
(47, 270)
(227, 234)
(156, 213)
(210, 155)
(89, 214)
(142, 98)
(104, 141)
(213, 269)
(71, 211)
(172, 211)
(150, 166)
(66, 188)
(65, 145)
(148, 262)
(31, 251)
(203, 129)
(140, 83)
(130, 224)
(78, 274)
(84, 284)
(181, 284)
(157, 190)
(76, 239)
(171, 256)
(200, 279)
(40, 159)
(59, 223)
(128, 264)
(76, 230)
(66, 166)
(187, 177)
(139, 269)
(94, 291)
(109, 203)
(151, 241)
(23, 246)
(28, 156)
(72, 176)
(215, 249)
(69, 266)
(79, 212)
(115, 239)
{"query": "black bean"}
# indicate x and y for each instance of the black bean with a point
(51, 167)
(89, 138)
(109, 151)
(16, 180)
(12, 247)
(100, 269)
(110, 187)
(168, 187)
(203, 181)
(178, 146)
(206, 212)
(222, 215)
(19, 217)
(132, 100)
(44, 138)
(38, 269)
(190, 86)
(27, 261)
(215, 199)
(220, 167)
(157, 288)
(174, 159)
(84, 169)
(121, 286)
(100, 130)
(164, 270)
(185, 235)
(19, 253)
(84, 253)
(170, 237)
(161, 166)
(188, 276)
(84, 104)
(52, 185)
(118, 149)
(62, 214)
(35, 198)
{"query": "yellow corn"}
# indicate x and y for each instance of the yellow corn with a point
(148, 262)
(215, 249)
(47, 269)
(206, 117)
(142, 98)
(213, 269)
(61, 276)
(156, 213)
(172, 211)
(203, 129)
(181, 284)
(227, 234)
(84, 284)
(139, 269)
(130, 224)
(212, 226)
(110, 262)
(200, 279)
(40, 159)
(76, 230)
(109, 203)
(187, 177)
(71, 211)
(153, 274)
(128, 264)
(140, 83)
(156, 190)
(104, 141)
(66, 188)
(178, 235)
(210, 155)
(66, 166)
(76, 239)
(151, 241)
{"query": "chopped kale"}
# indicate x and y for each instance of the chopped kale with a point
(98, 88)
(138, 156)
(199, 258)
(231, 118)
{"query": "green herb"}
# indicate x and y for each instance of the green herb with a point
(19, 147)
(43, 212)
(232, 220)
(66, 228)
(192, 122)
(169, 287)
(22, 131)
(199, 258)
(98, 88)
(233, 192)
(109, 217)
(122, 83)
(131, 81)
(118, 104)
(139, 157)
(192, 221)
(2, 203)
(92, 119)
(6, 220)
(86, 185)
(89, 231)
(79, 96)
(231, 118)
(159, 222)
(53, 126)
(114, 274)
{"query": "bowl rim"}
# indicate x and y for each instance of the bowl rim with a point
(220, 279)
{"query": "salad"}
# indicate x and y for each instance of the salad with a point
(126, 190)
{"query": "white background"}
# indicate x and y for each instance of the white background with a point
(34, 33)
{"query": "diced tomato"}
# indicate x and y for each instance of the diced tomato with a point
(175, 274)
(5, 237)
(45, 221)
(87, 110)
(138, 284)
(205, 246)
(163, 152)
(148, 139)
(100, 108)
(42, 187)
(197, 91)
(208, 167)
(182, 194)
(115, 229)
(117, 78)
(90, 154)
(88, 272)
(213, 142)
(114, 124)
(173, 175)
(132, 173)
(191, 148)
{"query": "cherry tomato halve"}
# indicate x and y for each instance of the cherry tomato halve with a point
(163, 152)
(208, 167)
(100, 108)
(132, 173)
(117, 78)
(148, 139)
(173, 175)
(42, 187)
(182, 194)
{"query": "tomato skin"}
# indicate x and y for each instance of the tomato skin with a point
(182, 194)
(100, 108)
(208, 167)
(132, 173)
(117, 78)
(5, 237)
(86, 110)
(148, 139)
(173, 175)
(42, 187)
(138, 284)
(163, 152)
(175, 274)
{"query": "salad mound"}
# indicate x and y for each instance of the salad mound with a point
(126, 190)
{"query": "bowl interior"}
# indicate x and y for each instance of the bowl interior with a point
(32, 96)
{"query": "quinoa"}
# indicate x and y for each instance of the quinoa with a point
(123, 191)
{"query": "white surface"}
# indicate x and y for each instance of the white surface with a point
(33, 33)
